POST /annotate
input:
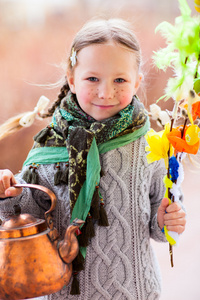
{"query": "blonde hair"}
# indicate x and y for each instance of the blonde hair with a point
(103, 31)
(99, 31)
(10, 126)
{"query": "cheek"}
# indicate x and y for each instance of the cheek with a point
(92, 92)
(125, 97)
(85, 96)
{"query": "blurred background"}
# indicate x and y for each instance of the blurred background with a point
(35, 36)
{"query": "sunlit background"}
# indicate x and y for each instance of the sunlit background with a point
(35, 36)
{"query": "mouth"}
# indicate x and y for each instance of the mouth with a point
(103, 106)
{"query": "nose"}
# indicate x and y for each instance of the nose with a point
(106, 91)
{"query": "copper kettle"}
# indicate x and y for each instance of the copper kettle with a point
(33, 260)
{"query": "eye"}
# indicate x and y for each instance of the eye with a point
(93, 79)
(119, 80)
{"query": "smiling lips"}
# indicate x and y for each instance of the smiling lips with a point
(104, 106)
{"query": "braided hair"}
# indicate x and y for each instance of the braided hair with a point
(63, 92)
(12, 125)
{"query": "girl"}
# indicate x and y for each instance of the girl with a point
(92, 156)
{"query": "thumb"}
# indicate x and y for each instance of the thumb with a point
(13, 192)
(162, 211)
(163, 205)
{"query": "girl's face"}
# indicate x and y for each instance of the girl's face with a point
(104, 79)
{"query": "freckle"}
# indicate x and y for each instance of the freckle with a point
(122, 90)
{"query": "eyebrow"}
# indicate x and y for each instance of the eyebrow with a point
(120, 75)
(92, 73)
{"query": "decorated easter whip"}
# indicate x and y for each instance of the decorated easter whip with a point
(182, 55)
(24, 119)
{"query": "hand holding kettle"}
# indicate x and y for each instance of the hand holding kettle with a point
(7, 180)
(34, 260)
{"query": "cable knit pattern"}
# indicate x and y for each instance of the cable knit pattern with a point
(120, 263)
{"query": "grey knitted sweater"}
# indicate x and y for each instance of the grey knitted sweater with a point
(120, 262)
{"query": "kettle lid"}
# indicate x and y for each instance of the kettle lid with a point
(21, 225)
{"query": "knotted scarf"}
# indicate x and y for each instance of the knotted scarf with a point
(76, 138)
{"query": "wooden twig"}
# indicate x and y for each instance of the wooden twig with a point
(172, 199)
(170, 196)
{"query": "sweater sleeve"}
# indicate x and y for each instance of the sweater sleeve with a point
(32, 201)
(27, 201)
(157, 191)
(36, 202)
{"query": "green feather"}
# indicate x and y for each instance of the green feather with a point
(184, 8)
(182, 53)
(167, 30)
(164, 58)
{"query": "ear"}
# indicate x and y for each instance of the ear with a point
(138, 81)
(70, 80)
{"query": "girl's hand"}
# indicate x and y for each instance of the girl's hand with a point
(7, 180)
(173, 216)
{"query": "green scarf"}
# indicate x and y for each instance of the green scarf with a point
(76, 138)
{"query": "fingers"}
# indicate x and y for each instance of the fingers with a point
(173, 207)
(7, 180)
(176, 225)
(175, 218)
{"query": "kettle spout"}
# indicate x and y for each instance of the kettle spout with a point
(68, 248)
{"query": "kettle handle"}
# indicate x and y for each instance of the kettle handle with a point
(43, 189)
